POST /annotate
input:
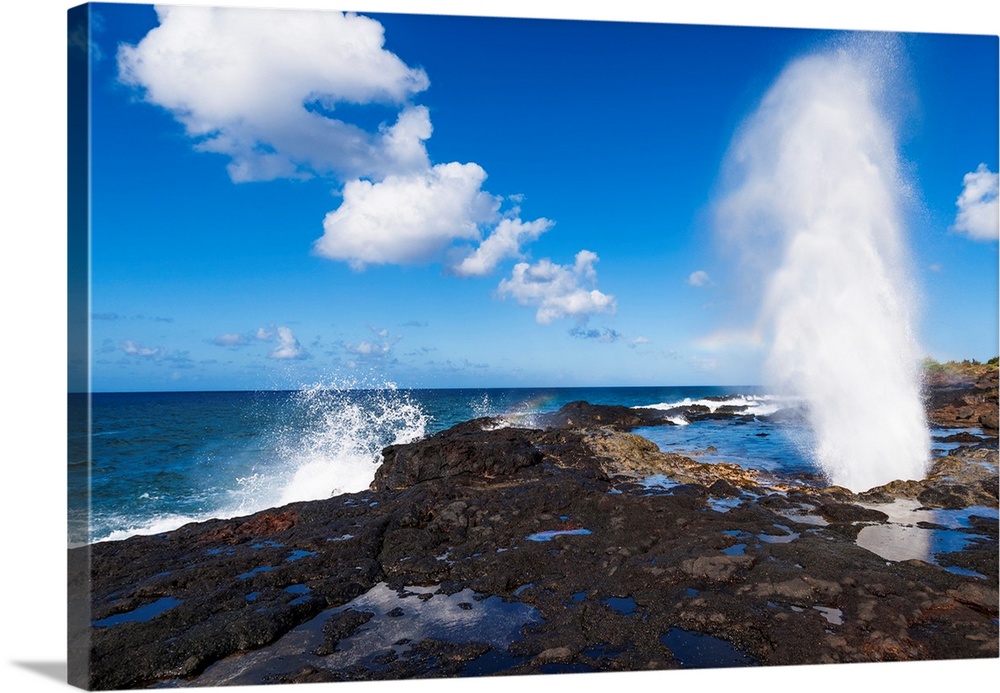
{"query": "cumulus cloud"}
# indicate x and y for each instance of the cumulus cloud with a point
(978, 207)
(558, 290)
(504, 242)
(288, 346)
(273, 91)
(263, 87)
(699, 278)
(407, 218)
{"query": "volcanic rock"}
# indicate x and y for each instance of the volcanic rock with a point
(552, 532)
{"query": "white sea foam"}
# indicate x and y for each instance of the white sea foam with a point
(815, 208)
(155, 525)
(342, 446)
(756, 405)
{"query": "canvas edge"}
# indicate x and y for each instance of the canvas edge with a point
(78, 333)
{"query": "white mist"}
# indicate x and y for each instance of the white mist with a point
(815, 209)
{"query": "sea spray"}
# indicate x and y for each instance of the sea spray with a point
(337, 446)
(814, 208)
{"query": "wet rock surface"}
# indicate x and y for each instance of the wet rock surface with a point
(963, 395)
(579, 547)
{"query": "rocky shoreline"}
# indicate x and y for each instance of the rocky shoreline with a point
(574, 546)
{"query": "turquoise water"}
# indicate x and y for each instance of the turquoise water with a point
(160, 460)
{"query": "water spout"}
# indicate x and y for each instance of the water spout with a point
(814, 208)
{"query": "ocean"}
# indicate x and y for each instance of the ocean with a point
(162, 459)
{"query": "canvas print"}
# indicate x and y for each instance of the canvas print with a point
(409, 346)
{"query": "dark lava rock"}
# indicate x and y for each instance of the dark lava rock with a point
(794, 414)
(586, 415)
(962, 437)
(953, 496)
(989, 420)
(963, 395)
(724, 489)
(341, 626)
(542, 531)
(477, 453)
(848, 512)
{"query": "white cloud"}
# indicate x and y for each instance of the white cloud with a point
(504, 242)
(272, 90)
(365, 348)
(159, 355)
(264, 335)
(558, 290)
(378, 348)
(699, 278)
(978, 208)
(230, 340)
(133, 349)
(407, 218)
(263, 87)
(288, 346)
(420, 216)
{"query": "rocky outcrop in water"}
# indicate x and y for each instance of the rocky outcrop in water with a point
(574, 548)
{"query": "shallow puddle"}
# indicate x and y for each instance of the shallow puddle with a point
(400, 619)
(803, 516)
(834, 616)
(625, 606)
(141, 614)
(658, 482)
(694, 650)
(901, 538)
(298, 554)
(255, 571)
(552, 533)
(724, 505)
(788, 537)
(735, 550)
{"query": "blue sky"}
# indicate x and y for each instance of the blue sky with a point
(476, 202)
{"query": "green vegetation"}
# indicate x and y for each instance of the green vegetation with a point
(967, 367)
